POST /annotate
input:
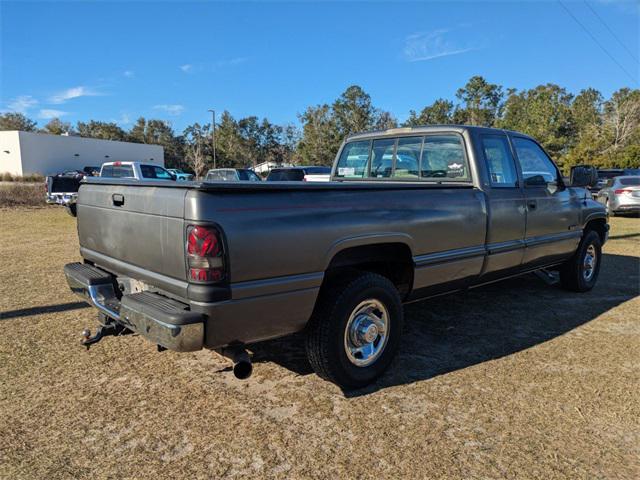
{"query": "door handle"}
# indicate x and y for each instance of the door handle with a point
(532, 204)
(118, 199)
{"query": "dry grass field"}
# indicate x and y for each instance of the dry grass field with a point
(517, 379)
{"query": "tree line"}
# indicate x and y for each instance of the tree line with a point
(581, 128)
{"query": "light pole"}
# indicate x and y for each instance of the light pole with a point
(213, 137)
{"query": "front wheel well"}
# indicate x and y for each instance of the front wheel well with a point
(598, 225)
(391, 260)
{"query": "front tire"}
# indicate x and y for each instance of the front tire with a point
(580, 273)
(355, 330)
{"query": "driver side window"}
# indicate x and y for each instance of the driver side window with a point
(161, 173)
(537, 168)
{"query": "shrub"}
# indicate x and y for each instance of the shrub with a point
(29, 177)
(32, 177)
(23, 195)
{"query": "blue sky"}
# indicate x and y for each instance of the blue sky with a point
(115, 61)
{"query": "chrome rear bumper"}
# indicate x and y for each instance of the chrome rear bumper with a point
(159, 319)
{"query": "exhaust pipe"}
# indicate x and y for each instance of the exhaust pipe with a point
(242, 366)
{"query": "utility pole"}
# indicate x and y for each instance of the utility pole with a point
(213, 137)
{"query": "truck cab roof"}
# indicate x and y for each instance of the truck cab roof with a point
(419, 130)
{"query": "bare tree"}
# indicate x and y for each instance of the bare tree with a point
(622, 115)
(196, 142)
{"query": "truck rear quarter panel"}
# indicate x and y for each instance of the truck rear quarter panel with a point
(282, 234)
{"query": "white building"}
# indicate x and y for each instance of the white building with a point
(266, 167)
(22, 153)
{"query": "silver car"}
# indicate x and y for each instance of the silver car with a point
(621, 195)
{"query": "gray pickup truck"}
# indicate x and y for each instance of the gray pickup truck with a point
(408, 214)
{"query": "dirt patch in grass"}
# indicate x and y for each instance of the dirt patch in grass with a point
(515, 380)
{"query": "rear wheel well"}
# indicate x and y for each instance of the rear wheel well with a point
(391, 260)
(598, 225)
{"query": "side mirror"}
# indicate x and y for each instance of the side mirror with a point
(584, 176)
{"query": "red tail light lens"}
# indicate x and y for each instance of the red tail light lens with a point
(621, 191)
(205, 254)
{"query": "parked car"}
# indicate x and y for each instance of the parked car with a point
(231, 175)
(93, 171)
(180, 175)
(621, 195)
(176, 263)
(135, 170)
(605, 174)
(300, 174)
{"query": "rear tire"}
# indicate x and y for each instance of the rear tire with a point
(345, 340)
(580, 273)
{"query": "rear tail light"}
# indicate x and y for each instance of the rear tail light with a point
(205, 254)
(622, 191)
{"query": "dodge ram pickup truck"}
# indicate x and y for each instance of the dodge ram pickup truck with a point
(409, 213)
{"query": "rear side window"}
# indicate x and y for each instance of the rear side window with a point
(443, 158)
(291, 175)
(408, 157)
(117, 171)
(317, 170)
(382, 158)
(497, 155)
(537, 168)
(353, 160)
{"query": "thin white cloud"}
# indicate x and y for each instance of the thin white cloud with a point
(216, 65)
(49, 113)
(173, 110)
(419, 47)
(71, 93)
(231, 62)
(129, 73)
(21, 104)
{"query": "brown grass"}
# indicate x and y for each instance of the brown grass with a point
(22, 194)
(515, 380)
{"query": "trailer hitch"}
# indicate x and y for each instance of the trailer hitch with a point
(109, 329)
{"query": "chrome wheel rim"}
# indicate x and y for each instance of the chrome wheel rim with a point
(589, 264)
(366, 333)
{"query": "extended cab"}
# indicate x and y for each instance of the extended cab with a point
(409, 213)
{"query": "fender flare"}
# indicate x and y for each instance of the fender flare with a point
(368, 239)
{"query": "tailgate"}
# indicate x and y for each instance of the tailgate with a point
(62, 184)
(137, 230)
